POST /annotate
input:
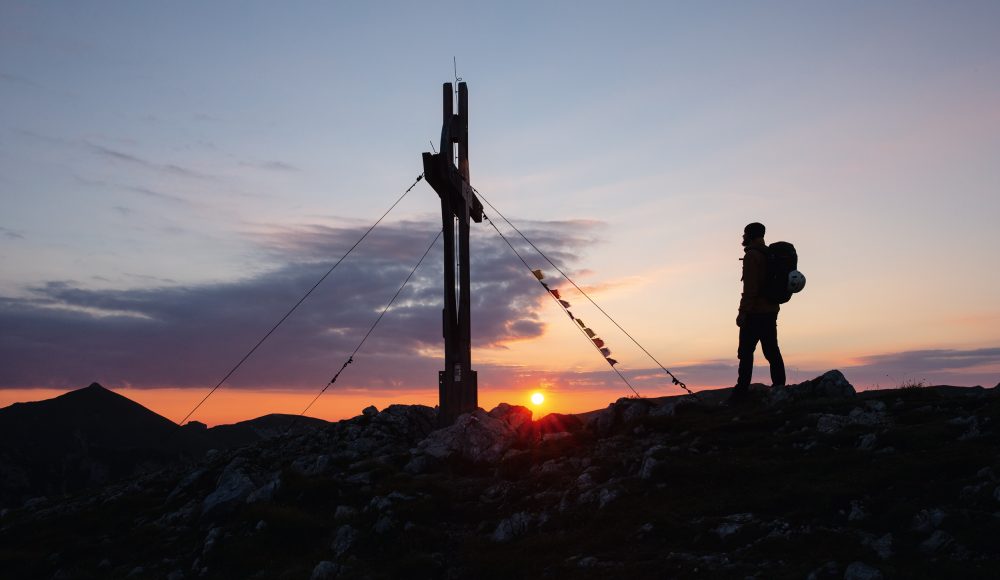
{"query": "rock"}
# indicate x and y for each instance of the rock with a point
(832, 385)
(634, 411)
(648, 465)
(175, 575)
(211, 540)
(479, 436)
(325, 570)
(868, 442)
(877, 406)
(727, 529)
(927, 520)
(986, 473)
(996, 494)
(605, 421)
(512, 527)
(265, 494)
(861, 571)
(233, 488)
(370, 412)
(136, 570)
(364, 478)
(185, 485)
(938, 540)
(607, 496)
(829, 424)
(345, 537)
(969, 491)
(882, 546)
(857, 511)
(383, 525)
(261, 526)
(664, 410)
(312, 465)
(588, 562)
(345, 512)
(420, 464)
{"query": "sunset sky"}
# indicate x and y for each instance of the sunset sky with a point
(174, 177)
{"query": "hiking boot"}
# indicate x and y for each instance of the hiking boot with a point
(738, 396)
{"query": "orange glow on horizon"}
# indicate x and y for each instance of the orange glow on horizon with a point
(231, 406)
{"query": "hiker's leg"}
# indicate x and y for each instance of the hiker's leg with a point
(749, 336)
(769, 345)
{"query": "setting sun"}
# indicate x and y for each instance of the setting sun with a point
(537, 398)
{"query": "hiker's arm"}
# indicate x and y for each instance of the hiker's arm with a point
(750, 275)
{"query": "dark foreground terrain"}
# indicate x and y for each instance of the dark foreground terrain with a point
(809, 482)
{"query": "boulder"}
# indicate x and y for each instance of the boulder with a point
(185, 485)
(861, 571)
(512, 527)
(830, 385)
(480, 437)
(927, 520)
(938, 540)
(325, 571)
(345, 537)
(234, 487)
(265, 493)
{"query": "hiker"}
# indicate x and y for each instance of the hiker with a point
(758, 318)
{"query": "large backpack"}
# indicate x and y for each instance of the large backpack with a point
(781, 275)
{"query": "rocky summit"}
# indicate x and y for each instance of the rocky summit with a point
(807, 481)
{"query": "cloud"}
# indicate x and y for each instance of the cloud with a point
(117, 156)
(270, 165)
(63, 334)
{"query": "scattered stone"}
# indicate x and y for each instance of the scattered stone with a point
(868, 442)
(857, 511)
(648, 465)
(185, 485)
(234, 487)
(326, 570)
(211, 540)
(345, 512)
(261, 526)
(588, 562)
(832, 385)
(927, 520)
(176, 575)
(861, 571)
(345, 537)
(727, 529)
(882, 546)
(512, 527)
(938, 540)
(383, 525)
(265, 493)
(137, 570)
(606, 497)
(479, 436)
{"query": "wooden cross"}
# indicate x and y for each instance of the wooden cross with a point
(457, 384)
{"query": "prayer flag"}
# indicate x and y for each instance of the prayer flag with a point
(606, 352)
(611, 361)
(598, 342)
(544, 284)
(570, 315)
(580, 322)
(538, 274)
(554, 293)
(590, 332)
(564, 303)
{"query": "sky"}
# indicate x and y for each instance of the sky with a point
(174, 177)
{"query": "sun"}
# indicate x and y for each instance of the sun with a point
(537, 398)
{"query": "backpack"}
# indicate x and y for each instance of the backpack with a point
(781, 275)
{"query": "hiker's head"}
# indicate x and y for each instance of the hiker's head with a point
(752, 232)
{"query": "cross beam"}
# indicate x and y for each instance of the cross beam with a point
(457, 383)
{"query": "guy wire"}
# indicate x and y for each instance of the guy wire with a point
(316, 285)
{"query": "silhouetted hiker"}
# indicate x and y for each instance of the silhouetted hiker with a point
(758, 318)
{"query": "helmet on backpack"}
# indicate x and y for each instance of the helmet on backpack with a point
(796, 281)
